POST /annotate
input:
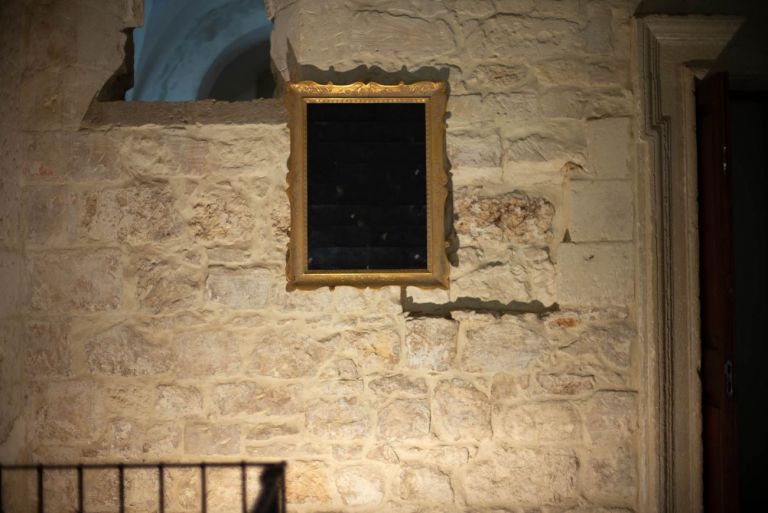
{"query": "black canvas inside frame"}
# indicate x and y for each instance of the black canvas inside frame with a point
(366, 186)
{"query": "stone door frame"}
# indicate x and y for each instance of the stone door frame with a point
(670, 52)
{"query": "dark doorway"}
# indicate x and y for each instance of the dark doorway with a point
(732, 129)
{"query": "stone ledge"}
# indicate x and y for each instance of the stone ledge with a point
(269, 111)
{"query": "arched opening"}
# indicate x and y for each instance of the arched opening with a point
(202, 49)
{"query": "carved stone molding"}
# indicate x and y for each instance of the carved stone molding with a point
(671, 52)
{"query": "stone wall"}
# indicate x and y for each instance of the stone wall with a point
(144, 313)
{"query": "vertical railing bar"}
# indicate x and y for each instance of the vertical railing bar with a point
(244, 486)
(121, 486)
(161, 488)
(203, 490)
(80, 490)
(40, 494)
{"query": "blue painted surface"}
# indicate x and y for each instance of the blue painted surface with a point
(185, 44)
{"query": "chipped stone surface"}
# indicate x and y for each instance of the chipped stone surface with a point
(125, 351)
(541, 423)
(338, 418)
(512, 217)
(307, 482)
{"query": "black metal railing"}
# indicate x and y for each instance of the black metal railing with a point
(271, 497)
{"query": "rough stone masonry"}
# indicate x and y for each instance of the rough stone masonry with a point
(144, 314)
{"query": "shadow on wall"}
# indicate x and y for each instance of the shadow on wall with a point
(201, 49)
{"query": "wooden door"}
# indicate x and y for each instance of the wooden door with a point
(721, 490)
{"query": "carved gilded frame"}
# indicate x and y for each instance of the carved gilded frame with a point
(434, 96)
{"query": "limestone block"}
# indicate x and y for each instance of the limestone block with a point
(478, 152)
(511, 37)
(383, 453)
(387, 39)
(12, 342)
(221, 214)
(77, 280)
(66, 413)
(360, 485)
(540, 423)
(563, 102)
(612, 341)
(404, 419)
(515, 6)
(10, 207)
(601, 211)
(167, 282)
(421, 483)
(607, 102)
(315, 300)
(12, 403)
(269, 431)
(141, 489)
(444, 456)
(518, 475)
(430, 342)
(566, 383)
(474, 8)
(504, 275)
(502, 345)
(128, 397)
(561, 141)
(608, 142)
(48, 349)
(72, 157)
(258, 149)
(176, 401)
(373, 347)
(307, 482)
(125, 351)
(136, 214)
(208, 353)
(239, 289)
(510, 386)
(595, 273)
(343, 418)
(599, 31)
(50, 213)
(484, 219)
(210, 439)
(281, 354)
(610, 475)
(460, 411)
(398, 384)
(611, 416)
(182, 489)
(10, 277)
(101, 494)
(561, 71)
(501, 78)
(163, 153)
(352, 300)
(131, 439)
(257, 399)
(484, 110)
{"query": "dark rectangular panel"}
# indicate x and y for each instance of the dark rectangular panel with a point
(366, 186)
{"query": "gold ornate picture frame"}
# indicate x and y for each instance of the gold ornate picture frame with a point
(358, 148)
